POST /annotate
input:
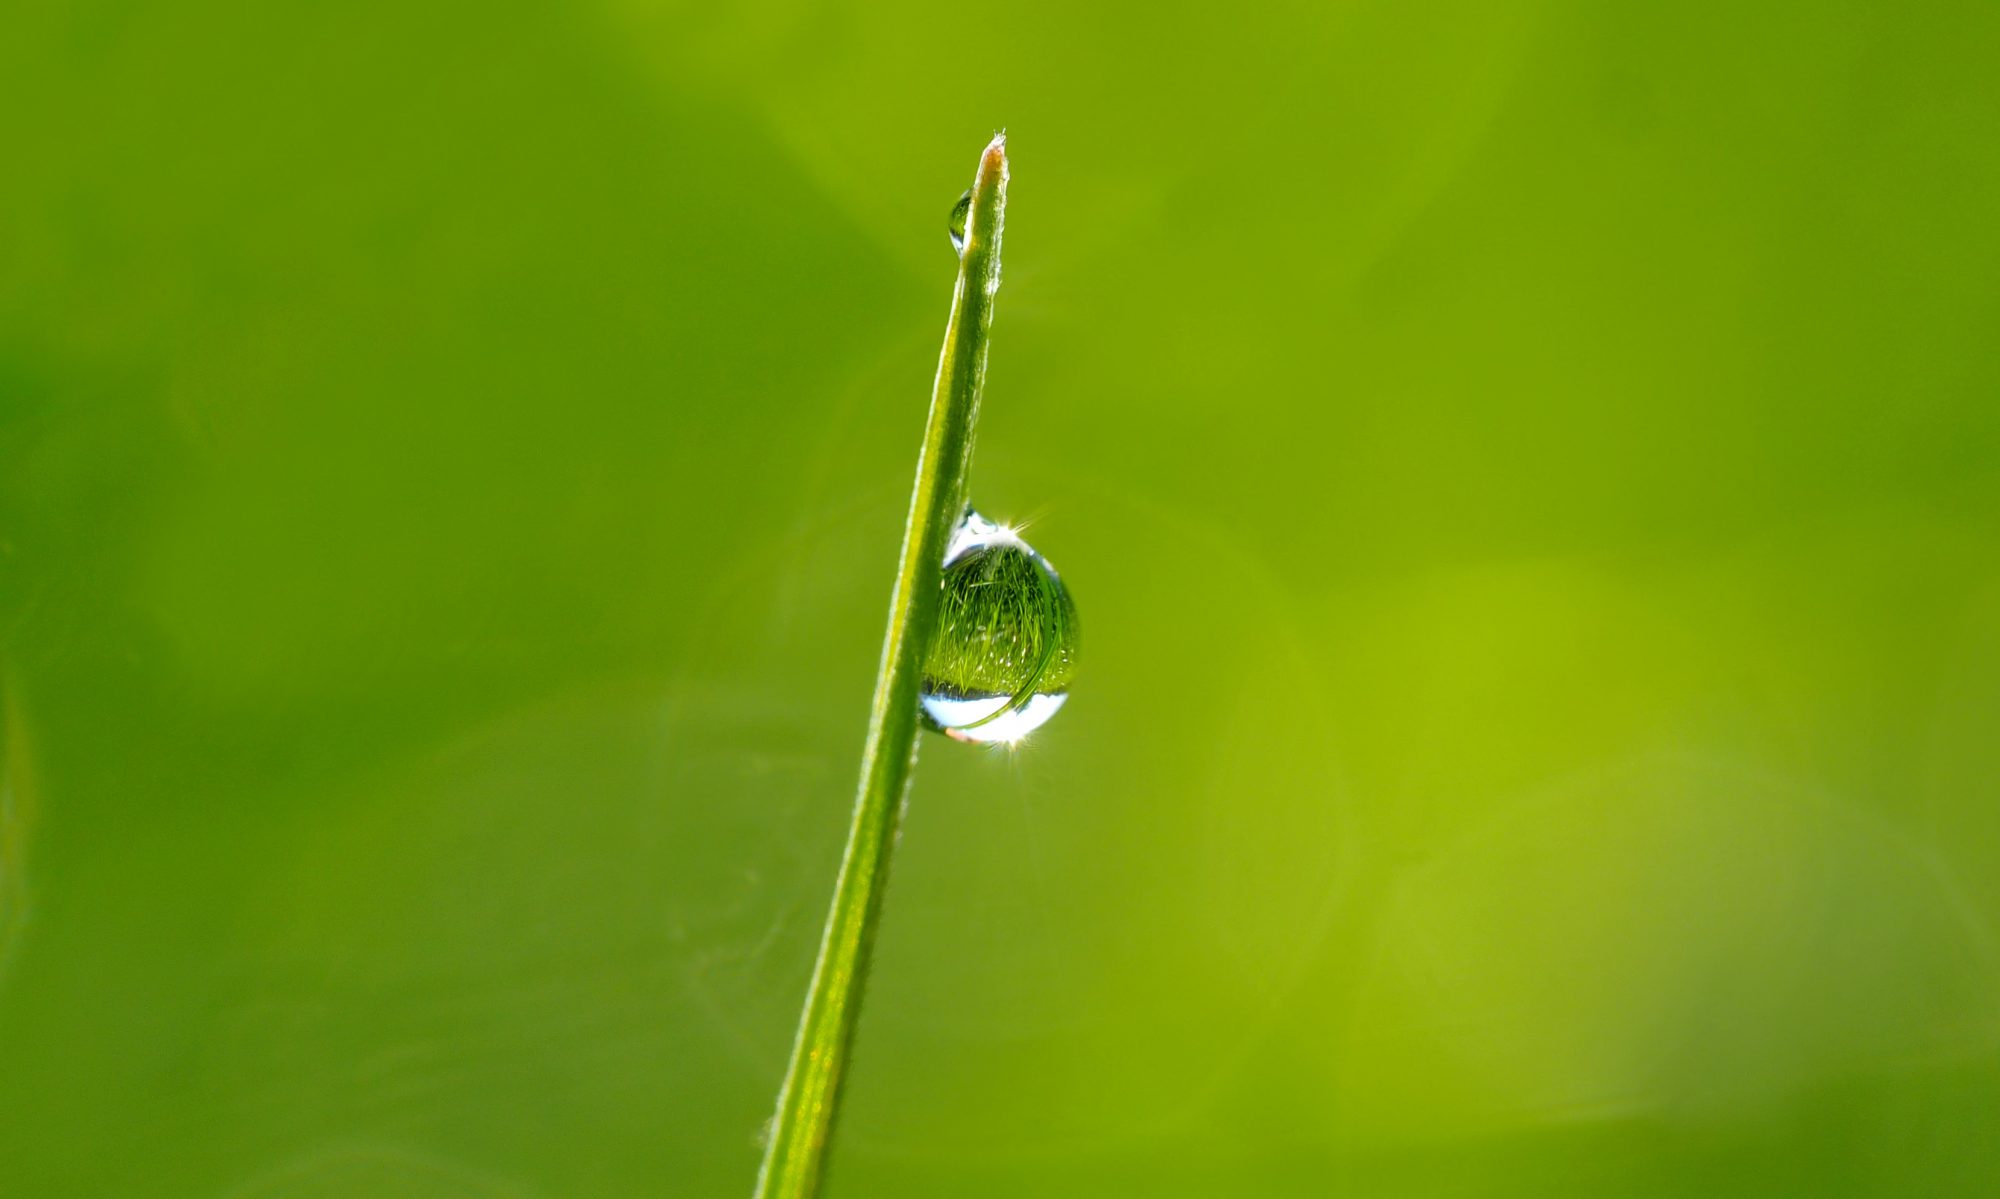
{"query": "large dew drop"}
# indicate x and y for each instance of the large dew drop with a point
(959, 212)
(1001, 659)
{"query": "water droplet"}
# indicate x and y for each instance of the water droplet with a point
(1004, 651)
(959, 212)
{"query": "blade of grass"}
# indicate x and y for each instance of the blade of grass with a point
(795, 1156)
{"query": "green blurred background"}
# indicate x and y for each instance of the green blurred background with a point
(1530, 473)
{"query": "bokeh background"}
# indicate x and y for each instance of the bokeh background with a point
(1530, 474)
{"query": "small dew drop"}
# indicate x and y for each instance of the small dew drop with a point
(1004, 651)
(959, 212)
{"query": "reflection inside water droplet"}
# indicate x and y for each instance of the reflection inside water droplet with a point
(1001, 659)
(959, 212)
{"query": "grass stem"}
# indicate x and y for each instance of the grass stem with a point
(795, 1156)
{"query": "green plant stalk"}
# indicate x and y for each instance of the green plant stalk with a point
(795, 1155)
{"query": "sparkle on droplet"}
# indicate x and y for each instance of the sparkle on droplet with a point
(1003, 653)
